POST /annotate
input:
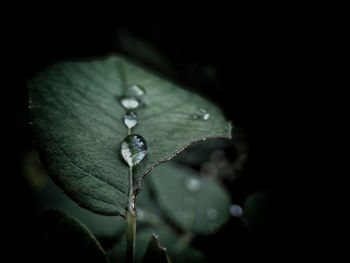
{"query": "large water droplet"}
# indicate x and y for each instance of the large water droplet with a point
(236, 210)
(130, 119)
(136, 90)
(202, 114)
(212, 213)
(130, 103)
(192, 184)
(133, 149)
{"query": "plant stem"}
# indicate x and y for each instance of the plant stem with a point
(130, 237)
(130, 222)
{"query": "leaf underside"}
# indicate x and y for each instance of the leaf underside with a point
(77, 123)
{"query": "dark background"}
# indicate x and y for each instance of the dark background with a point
(261, 62)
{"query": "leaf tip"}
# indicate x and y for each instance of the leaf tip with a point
(155, 238)
(155, 252)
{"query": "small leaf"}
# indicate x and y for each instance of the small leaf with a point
(155, 252)
(195, 203)
(178, 250)
(65, 239)
(77, 122)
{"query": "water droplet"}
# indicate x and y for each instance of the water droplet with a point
(137, 90)
(202, 114)
(212, 213)
(130, 119)
(236, 210)
(192, 184)
(130, 103)
(133, 149)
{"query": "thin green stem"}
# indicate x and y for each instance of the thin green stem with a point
(130, 237)
(130, 222)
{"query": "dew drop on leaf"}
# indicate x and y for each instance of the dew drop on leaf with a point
(130, 103)
(133, 149)
(137, 90)
(130, 119)
(202, 114)
(212, 213)
(192, 184)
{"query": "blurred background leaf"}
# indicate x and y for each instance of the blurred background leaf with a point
(143, 52)
(65, 239)
(196, 203)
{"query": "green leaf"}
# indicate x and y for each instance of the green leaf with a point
(155, 252)
(64, 239)
(197, 204)
(78, 127)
